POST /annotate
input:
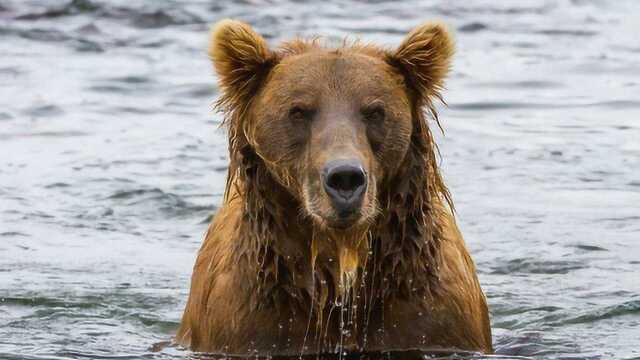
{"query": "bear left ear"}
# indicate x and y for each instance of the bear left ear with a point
(240, 57)
(424, 57)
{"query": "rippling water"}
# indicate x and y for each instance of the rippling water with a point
(111, 164)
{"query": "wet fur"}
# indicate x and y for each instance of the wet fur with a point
(267, 278)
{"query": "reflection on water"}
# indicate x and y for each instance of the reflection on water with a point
(112, 165)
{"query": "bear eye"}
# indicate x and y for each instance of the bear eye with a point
(374, 113)
(299, 113)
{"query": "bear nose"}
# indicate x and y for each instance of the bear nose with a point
(345, 182)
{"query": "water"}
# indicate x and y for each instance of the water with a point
(111, 164)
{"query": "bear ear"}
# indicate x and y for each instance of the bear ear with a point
(424, 58)
(240, 57)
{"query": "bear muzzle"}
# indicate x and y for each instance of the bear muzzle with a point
(345, 183)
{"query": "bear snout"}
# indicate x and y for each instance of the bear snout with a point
(345, 182)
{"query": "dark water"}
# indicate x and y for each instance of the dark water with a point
(111, 164)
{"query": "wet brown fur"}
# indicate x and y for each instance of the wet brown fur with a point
(271, 280)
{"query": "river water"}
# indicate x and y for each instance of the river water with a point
(111, 164)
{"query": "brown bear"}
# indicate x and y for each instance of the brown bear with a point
(336, 233)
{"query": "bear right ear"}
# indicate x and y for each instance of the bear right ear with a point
(241, 59)
(424, 57)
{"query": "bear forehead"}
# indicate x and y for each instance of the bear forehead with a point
(337, 71)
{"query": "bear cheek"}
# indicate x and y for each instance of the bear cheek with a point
(267, 138)
(276, 146)
(396, 146)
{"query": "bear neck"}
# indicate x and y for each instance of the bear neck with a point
(299, 261)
